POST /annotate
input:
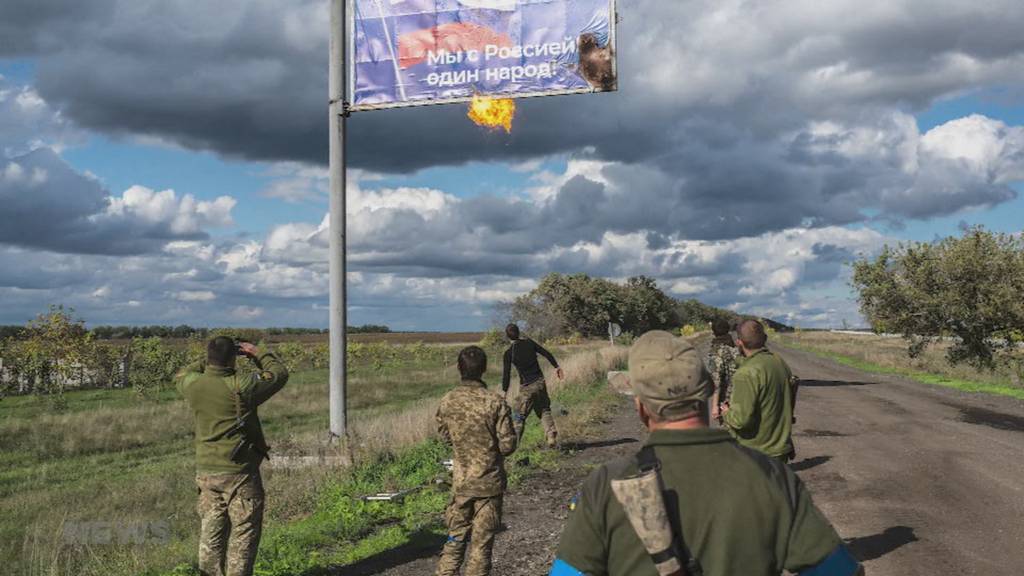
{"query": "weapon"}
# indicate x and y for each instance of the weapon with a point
(642, 498)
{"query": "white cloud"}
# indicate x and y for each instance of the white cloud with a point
(182, 216)
(247, 312)
(195, 296)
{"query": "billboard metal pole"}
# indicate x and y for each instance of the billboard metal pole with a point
(338, 325)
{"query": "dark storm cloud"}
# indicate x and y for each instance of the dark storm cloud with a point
(249, 78)
(30, 27)
(48, 205)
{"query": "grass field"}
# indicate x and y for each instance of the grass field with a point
(888, 355)
(112, 459)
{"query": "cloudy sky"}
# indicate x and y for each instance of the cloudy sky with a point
(163, 161)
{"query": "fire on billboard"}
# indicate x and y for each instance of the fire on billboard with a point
(414, 52)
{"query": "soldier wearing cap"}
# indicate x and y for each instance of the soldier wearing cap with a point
(759, 523)
(760, 409)
(477, 424)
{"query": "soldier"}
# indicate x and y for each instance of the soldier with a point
(229, 450)
(760, 408)
(478, 425)
(533, 390)
(759, 523)
(722, 364)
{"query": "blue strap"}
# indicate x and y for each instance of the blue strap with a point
(839, 563)
(561, 568)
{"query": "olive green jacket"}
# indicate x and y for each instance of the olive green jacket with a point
(211, 393)
(757, 523)
(760, 412)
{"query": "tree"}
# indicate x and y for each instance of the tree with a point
(579, 304)
(56, 350)
(968, 288)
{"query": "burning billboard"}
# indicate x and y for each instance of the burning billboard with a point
(413, 52)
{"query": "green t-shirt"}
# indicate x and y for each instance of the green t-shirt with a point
(210, 393)
(741, 513)
(760, 412)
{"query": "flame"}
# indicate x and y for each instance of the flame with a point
(492, 112)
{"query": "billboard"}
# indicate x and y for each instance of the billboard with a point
(414, 52)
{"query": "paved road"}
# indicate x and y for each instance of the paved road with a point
(920, 479)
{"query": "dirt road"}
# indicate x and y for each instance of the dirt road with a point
(918, 479)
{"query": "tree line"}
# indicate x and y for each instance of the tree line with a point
(564, 305)
(186, 331)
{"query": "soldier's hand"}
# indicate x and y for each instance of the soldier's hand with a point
(248, 349)
(560, 373)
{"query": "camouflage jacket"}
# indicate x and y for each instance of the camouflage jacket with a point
(722, 365)
(478, 425)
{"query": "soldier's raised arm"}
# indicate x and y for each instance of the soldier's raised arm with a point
(506, 430)
(270, 377)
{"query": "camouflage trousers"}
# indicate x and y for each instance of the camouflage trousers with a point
(472, 523)
(533, 398)
(231, 521)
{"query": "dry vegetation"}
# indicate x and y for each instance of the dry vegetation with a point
(111, 456)
(890, 353)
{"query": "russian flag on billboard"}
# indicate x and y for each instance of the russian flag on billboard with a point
(412, 52)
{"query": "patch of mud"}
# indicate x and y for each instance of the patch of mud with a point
(820, 434)
(991, 418)
(831, 383)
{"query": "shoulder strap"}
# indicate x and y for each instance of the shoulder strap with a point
(647, 461)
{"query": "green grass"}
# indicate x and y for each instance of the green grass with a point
(113, 456)
(344, 530)
(916, 375)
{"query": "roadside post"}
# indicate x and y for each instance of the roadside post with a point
(390, 54)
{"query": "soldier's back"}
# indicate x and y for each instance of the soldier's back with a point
(471, 415)
(756, 524)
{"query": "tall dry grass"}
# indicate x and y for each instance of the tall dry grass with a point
(891, 352)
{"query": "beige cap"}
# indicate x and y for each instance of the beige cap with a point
(668, 375)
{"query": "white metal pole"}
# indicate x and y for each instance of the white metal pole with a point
(338, 335)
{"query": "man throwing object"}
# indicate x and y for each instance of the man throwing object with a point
(533, 390)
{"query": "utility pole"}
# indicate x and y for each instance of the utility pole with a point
(338, 304)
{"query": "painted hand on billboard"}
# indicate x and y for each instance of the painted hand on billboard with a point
(413, 47)
(596, 63)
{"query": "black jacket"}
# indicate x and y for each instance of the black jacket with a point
(523, 355)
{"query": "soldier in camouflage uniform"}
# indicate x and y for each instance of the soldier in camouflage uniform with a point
(478, 425)
(722, 365)
(229, 450)
(533, 390)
